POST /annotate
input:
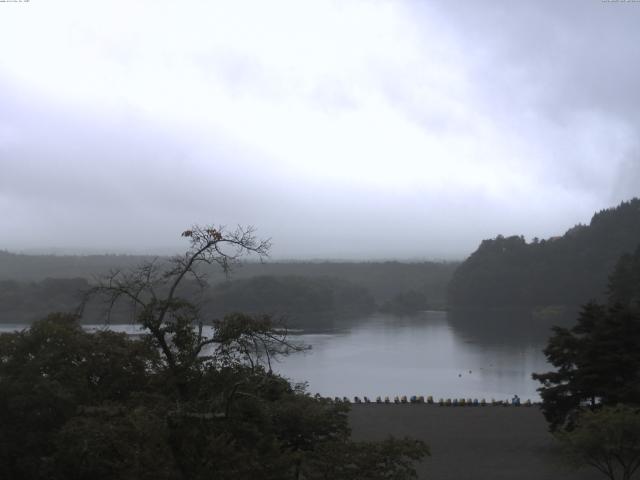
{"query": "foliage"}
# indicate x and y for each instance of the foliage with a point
(299, 299)
(295, 297)
(100, 405)
(28, 283)
(47, 372)
(405, 303)
(385, 460)
(567, 270)
(178, 402)
(607, 439)
(624, 282)
(597, 360)
(306, 294)
(24, 302)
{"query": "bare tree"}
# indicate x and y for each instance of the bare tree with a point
(152, 292)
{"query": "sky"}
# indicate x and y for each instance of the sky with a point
(340, 129)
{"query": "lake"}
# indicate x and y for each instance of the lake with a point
(426, 354)
(469, 355)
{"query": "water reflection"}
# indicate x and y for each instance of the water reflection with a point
(457, 354)
(512, 328)
(433, 353)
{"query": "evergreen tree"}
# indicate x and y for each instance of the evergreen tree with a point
(597, 361)
(181, 402)
(566, 270)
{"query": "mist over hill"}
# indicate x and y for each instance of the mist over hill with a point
(567, 270)
(503, 272)
(31, 286)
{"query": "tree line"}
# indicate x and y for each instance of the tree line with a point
(566, 270)
(592, 397)
(175, 403)
(304, 302)
(382, 279)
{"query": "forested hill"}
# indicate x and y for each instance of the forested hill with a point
(567, 270)
(383, 280)
(33, 286)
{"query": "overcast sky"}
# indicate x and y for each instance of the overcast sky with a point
(340, 129)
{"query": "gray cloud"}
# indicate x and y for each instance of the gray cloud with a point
(564, 73)
(412, 133)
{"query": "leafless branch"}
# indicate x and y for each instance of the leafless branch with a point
(151, 289)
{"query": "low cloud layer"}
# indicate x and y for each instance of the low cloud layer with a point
(341, 130)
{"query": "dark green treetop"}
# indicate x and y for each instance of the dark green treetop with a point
(188, 399)
(598, 360)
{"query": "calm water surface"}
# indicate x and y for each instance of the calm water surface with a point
(425, 354)
(432, 353)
